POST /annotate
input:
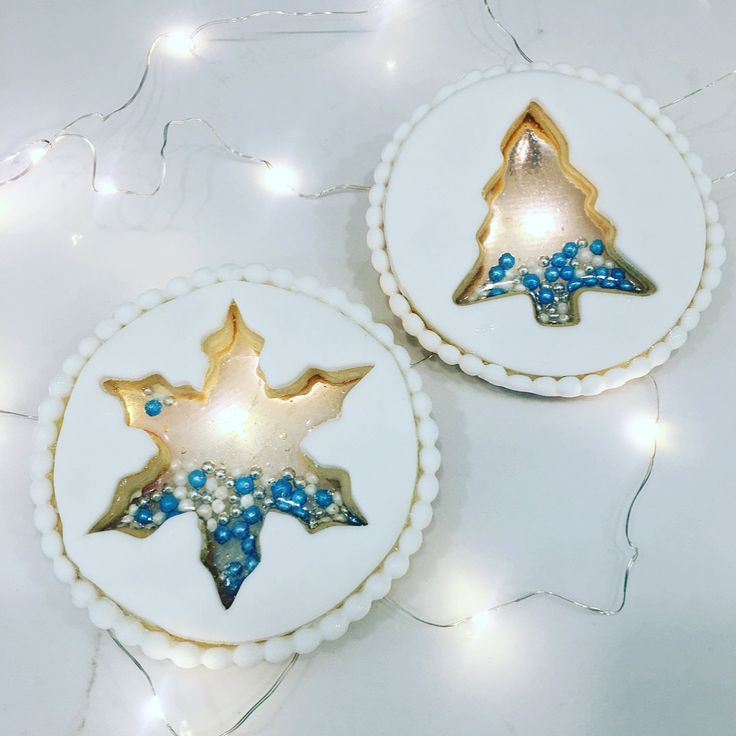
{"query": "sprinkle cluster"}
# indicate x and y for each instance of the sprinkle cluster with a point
(154, 403)
(232, 507)
(551, 281)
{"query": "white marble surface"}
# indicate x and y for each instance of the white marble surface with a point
(533, 491)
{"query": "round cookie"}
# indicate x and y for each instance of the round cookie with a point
(545, 228)
(233, 469)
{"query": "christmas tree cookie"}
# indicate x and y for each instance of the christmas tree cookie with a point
(546, 229)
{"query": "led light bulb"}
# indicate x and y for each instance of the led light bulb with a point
(36, 154)
(179, 43)
(643, 430)
(154, 709)
(106, 186)
(281, 179)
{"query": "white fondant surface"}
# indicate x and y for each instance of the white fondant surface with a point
(434, 206)
(301, 575)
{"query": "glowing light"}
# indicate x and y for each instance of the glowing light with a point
(539, 223)
(106, 186)
(481, 620)
(154, 709)
(390, 64)
(644, 430)
(76, 238)
(179, 43)
(232, 419)
(36, 154)
(281, 179)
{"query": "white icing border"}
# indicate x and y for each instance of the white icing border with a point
(104, 613)
(568, 386)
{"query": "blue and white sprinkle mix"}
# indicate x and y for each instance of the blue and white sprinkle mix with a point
(553, 280)
(232, 509)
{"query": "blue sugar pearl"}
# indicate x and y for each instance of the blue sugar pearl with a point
(601, 272)
(570, 250)
(169, 502)
(506, 261)
(496, 274)
(234, 569)
(221, 534)
(299, 497)
(248, 545)
(597, 248)
(251, 563)
(153, 407)
(232, 584)
(323, 498)
(590, 281)
(618, 273)
(282, 504)
(252, 515)
(197, 478)
(144, 515)
(244, 484)
(496, 291)
(574, 285)
(353, 520)
(281, 488)
(531, 281)
(546, 296)
(239, 529)
(626, 285)
(567, 272)
(559, 260)
(551, 275)
(609, 283)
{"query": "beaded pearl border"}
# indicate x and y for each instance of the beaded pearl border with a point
(568, 386)
(104, 613)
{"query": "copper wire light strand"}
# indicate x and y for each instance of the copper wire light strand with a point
(65, 132)
(590, 608)
(152, 688)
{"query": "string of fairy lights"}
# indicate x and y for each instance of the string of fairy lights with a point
(282, 178)
(279, 177)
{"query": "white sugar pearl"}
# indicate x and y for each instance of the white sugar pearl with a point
(305, 640)
(180, 479)
(159, 518)
(277, 649)
(246, 655)
(204, 511)
(211, 525)
(180, 492)
(211, 484)
(310, 489)
(580, 272)
(222, 492)
(217, 658)
(585, 256)
(337, 497)
(332, 509)
(598, 260)
(186, 504)
(246, 501)
(218, 506)
(563, 308)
